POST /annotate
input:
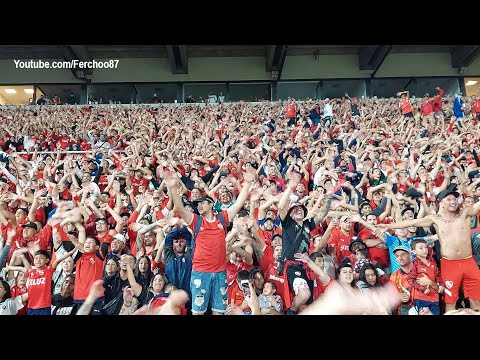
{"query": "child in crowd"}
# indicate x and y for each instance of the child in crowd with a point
(425, 277)
(270, 302)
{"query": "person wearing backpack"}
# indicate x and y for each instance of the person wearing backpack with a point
(208, 283)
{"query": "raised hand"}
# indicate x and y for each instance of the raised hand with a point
(256, 194)
(302, 257)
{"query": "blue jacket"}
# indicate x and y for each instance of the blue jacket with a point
(457, 107)
(178, 268)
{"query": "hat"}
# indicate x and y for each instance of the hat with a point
(30, 225)
(353, 240)
(366, 202)
(204, 198)
(102, 219)
(274, 236)
(408, 209)
(296, 204)
(401, 247)
(345, 263)
(119, 237)
(447, 192)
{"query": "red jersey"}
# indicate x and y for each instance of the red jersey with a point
(420, 269)
(16, 291)
(89, 268)
(235, 295)
(233, 269)
(267, 235)
(161, 299)
(210, 247)
(340, 242)
(291, 110)
(406, 106)
(476, 107)
(102, 182)
(39, 286)
(269, 268)
(427, 108)
(374, 253)
(136, 183)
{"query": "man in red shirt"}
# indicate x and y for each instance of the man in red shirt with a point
(339, 240)
(209, 276)
(291, 112)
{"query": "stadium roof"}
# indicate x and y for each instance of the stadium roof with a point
(370, 56)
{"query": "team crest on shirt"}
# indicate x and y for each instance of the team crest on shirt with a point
(220, 226)
(449, 284)
(92, 260)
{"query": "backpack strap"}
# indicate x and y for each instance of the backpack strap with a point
(222, 220)
(198, 224)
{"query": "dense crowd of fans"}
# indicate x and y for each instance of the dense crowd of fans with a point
(367, 204)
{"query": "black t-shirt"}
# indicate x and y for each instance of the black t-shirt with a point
(114, 286)
(355, 111)
(291, 244)
(62, 306)
(58, 300)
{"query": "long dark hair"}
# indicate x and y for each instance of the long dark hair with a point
(362, 277)
(6, 286)
(148, 277)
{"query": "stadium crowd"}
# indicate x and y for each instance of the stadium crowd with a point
(368, 205)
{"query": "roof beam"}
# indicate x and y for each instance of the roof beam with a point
(178, 58)
(371, 57)
(79, 53)
(464, 55)
(275, 58)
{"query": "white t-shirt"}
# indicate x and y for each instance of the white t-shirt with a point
(327, 110)
(11, 306)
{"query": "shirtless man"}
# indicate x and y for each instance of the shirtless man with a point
(457, 263)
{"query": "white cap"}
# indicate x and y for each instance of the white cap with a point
(119, 237)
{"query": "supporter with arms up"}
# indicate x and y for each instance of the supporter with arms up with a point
(297, 223)
(453, 228)
(208, 283)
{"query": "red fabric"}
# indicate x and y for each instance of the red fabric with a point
(39, 285)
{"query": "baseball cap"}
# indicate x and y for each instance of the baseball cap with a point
(275, 235)
(447, 192)
(119, 237)
(204, 198)
(30, 225)
(296, 204)
(102, 219)
(401, 247)
(353, 240)
(364, 203)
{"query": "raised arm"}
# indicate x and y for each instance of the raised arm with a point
(423, 222)
(235, 208)
(474, 209)
(172, 185)
(285, 199)
(324, 278)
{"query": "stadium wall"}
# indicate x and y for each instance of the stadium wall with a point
(245, 69)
